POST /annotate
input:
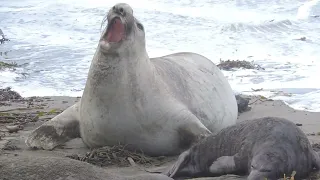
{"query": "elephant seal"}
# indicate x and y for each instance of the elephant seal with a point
(262, 148)
(160, 106)
(37, 167)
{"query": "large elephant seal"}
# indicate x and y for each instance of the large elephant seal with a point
(158, 105)
(268, 147)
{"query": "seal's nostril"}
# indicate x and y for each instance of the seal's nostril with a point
(114, 7)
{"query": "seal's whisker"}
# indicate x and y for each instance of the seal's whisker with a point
(105, 18)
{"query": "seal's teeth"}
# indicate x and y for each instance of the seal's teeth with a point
(105, 45)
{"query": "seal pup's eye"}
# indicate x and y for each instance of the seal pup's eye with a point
(265, 170)
(140, 26)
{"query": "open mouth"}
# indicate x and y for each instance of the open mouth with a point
(116, 30)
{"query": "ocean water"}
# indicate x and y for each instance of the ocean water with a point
(53, 41)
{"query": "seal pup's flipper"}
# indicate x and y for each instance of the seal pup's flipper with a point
(57, 131)
(180, 164)
(223, 165)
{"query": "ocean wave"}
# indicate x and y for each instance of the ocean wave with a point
(54, 41)
(271, 26)
(305, 10)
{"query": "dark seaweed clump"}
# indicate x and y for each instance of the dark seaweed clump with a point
(117, 155)
(229, 65)
(7, 94)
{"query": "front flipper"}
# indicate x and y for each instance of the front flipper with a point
(57, 131)
(191, 131)
(223, 165)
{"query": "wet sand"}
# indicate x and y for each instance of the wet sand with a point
(28, 113)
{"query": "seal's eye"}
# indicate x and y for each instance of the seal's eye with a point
(121, 10)
(140, 26)
(265, 170)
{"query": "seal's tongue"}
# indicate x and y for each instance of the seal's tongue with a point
(116, 31)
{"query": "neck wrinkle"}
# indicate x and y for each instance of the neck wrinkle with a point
(124, 77)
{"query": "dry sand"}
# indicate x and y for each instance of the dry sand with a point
(17, 160)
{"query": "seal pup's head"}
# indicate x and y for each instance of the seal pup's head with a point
(123, 30)
(266, 165)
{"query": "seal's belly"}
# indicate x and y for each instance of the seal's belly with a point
(143, 133)
(132, 138)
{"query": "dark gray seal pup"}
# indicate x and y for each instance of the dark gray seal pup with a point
(157, 105)
(267, 147)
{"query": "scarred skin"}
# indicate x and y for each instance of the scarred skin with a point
(262, 148)
(158, 105)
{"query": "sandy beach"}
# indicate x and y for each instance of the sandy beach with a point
(21, 115)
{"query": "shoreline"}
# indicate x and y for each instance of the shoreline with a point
(293, 97)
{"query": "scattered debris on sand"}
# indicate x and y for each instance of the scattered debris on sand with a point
(9, 146)
(7, 94)
(17, 120)
(314, 176)
(119, 156)
(230, 65)
(14, 128)
(316, 147)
